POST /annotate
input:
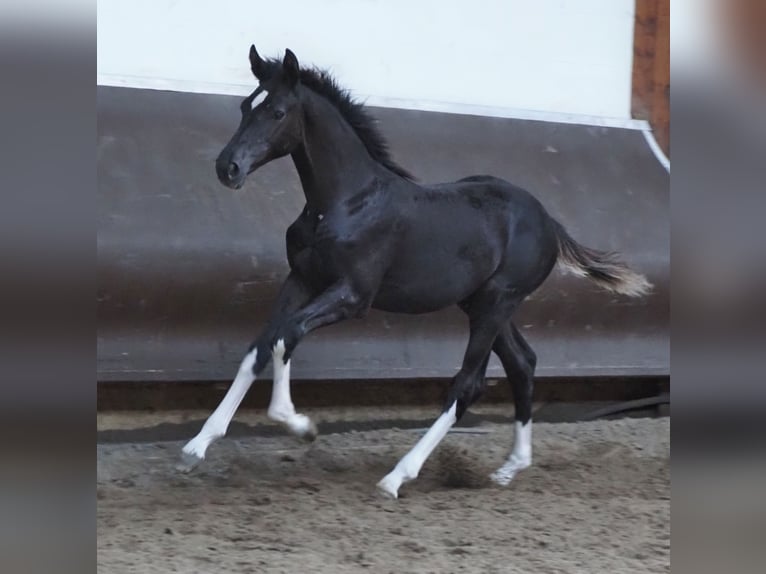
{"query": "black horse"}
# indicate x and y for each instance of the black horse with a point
(370, 236)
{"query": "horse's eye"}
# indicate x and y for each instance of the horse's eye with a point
(279, 114)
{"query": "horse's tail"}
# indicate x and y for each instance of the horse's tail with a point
(601, 267)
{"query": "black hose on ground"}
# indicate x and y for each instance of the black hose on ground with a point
(661, 399)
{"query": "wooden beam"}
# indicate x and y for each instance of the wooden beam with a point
(651, 68)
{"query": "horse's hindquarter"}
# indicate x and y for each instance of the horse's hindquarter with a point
(454, 238)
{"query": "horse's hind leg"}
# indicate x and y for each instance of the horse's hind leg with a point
(466, 387)
(519, 362)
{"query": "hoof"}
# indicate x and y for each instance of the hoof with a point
(311, 433)
(505, 474)
(302, 427)
(388, 489)
(501, 479)
(189, 461)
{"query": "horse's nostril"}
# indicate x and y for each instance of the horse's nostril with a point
(233, 170)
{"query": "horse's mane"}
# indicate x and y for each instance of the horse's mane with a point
(354, 112)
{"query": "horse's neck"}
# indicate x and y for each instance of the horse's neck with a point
(332, 162)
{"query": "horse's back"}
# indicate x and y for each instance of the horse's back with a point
(494, 200)
(457, 237)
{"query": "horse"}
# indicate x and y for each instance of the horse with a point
(370, 236)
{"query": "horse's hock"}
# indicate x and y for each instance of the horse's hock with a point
(189, 270)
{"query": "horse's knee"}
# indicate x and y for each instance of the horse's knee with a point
(262, 357)
(286, 339)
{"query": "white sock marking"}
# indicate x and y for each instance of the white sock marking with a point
(281, 408)
(520, 457)
(217, 424)
(257, 100)
(409, 467)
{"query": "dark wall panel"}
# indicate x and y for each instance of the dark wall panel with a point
(188, 269)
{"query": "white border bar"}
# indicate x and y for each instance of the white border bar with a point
(142, 82)
(656, 149)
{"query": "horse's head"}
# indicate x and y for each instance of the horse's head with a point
(271, 125)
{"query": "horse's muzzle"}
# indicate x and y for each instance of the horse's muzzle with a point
(230, 173)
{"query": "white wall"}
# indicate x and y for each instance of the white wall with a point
(492, 57)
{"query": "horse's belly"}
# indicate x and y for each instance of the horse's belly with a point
(429, 286)
(398, 301)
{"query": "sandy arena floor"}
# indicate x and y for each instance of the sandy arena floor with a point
(596, 500)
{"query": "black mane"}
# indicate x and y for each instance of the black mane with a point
(321, 82)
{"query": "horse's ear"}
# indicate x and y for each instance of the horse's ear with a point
(256, 62)
(290, 68)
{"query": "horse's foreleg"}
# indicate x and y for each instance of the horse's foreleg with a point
(281, 408)
(216, 425)
(292, 295)
(337, 303)
(331, 306)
